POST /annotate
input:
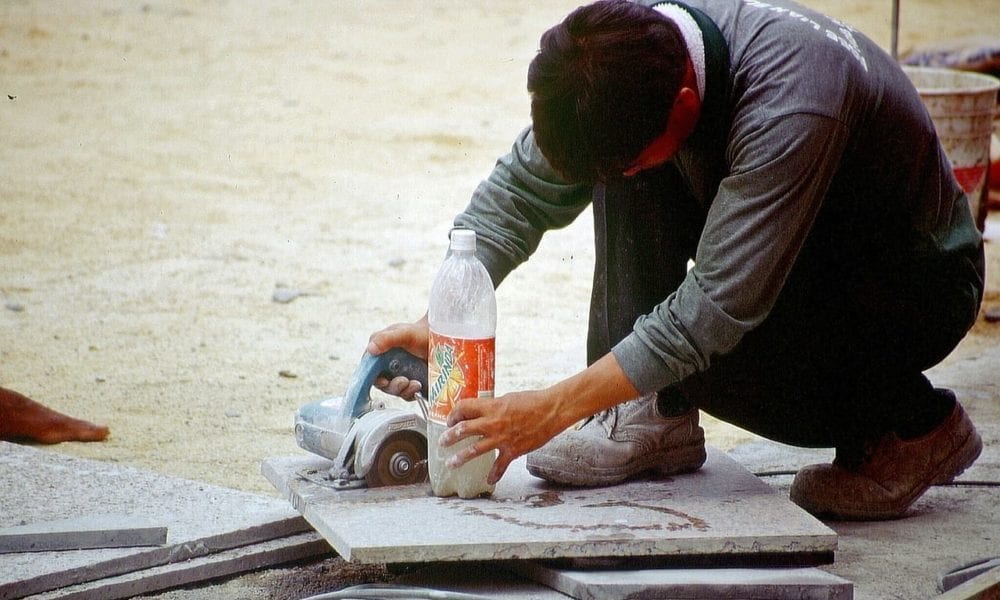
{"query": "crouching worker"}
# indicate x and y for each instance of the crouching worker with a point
(835, 257)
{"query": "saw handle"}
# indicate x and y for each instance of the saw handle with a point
(392, 363)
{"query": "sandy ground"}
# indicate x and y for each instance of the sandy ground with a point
(165, 167)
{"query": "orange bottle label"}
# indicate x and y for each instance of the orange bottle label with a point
(458, 368)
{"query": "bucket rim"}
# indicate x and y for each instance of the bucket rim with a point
(987, 83)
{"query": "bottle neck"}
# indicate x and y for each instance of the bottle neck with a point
(463, 240)
(463, 252)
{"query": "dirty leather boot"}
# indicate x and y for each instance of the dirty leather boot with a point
(621, 442)
(891, 475)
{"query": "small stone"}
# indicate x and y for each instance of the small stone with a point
(14, 306)
(284, 295)
(232, 413)
(992, 315)
(287, 374)
(397, 263)
(159, 230)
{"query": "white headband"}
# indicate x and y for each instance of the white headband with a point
(692, 38)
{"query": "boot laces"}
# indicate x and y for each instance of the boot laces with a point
(607, 418)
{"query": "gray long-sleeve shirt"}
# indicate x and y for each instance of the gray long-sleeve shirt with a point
(814, 113)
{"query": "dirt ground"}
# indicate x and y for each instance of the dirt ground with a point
(166, 167)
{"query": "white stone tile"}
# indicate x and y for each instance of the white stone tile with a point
(203, 568)
(722, 510)
(42, 485)
(722, 583)
(77, 533)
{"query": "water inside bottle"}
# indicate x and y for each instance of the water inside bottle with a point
(467, 481)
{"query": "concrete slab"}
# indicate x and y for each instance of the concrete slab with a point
(975, 383)
(764, 457)
(982, 587)
(948, 526)
(721, 511)
(488, 579)
(201, 519)
(79, 533)
(952, 524)
(960, 575)
(748, 584)
(212, 566)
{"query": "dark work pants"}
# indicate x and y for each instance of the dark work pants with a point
(837, 363)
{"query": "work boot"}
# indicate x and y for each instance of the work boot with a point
(891, 475)
(622, 442)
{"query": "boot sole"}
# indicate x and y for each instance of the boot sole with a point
(673, 461)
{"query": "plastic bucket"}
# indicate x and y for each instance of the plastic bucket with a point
(962, 106)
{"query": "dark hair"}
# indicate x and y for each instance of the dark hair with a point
(602, 85)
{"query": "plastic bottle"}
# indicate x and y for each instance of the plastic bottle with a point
(462, 315)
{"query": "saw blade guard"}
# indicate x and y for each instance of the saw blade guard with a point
(373, 432)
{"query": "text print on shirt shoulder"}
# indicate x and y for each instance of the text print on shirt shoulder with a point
(837, 32)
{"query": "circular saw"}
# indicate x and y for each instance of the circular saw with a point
(372, 443)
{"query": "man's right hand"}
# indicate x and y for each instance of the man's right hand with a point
(412, 337)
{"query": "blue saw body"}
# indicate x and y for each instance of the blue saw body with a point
(371, 443)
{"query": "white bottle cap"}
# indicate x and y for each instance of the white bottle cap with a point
(463, 239)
